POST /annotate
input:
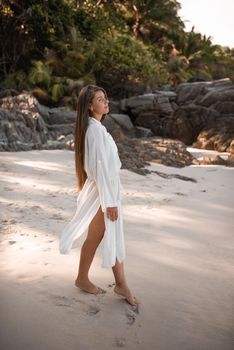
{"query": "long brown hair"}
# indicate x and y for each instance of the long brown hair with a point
(85, 97)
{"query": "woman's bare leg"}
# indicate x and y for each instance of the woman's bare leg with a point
(94, 237)
(121, 286)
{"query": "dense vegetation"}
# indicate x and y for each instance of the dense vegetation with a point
(52, 47)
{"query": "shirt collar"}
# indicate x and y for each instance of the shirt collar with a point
(94, 119)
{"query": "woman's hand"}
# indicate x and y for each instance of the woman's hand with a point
(112, 213)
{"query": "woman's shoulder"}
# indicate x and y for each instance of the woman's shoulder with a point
(95, 124)
(96, 129)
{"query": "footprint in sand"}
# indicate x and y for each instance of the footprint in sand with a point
(180, 194)
(77, 300)
(9, 221)
(120, 342)
(8, 189)
(131, 314)
(131, 317)
(35, 207)
(93, 310)
(63, 304)
(166, 200)
(111, 284)
(60, 300)
(56, 217)
(11, 242)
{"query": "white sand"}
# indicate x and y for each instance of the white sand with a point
(180, 260)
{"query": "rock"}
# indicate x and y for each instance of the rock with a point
(201, 109)
(171, 95)
(26, 125)
(230, 160)
(226, 107)
(114, 107)
(217, 160)
(218, 137)
(188, 92)
(57, 129)
(157, 103)
(114, 128)
(195, 79)
(204, 93)
(136, 153)
(137, 103)
(151, 111)
(143, 132)
(206, 118)
(231, 149)
(123, 120)
(217, 94)
(61, 115)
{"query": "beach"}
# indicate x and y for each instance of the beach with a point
(179, 262)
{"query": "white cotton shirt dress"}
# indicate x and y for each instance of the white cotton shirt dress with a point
(102, 187)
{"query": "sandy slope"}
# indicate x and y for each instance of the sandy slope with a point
(180, 260)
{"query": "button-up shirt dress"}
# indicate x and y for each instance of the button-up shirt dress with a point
(102, 188)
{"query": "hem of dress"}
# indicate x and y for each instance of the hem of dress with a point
(105, 266)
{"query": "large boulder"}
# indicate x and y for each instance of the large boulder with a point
(150, 110)
(123, 120)
(218, 137)
(203, 93)
(155, 102)
(205, 116)
(26, 125)
(199, 113)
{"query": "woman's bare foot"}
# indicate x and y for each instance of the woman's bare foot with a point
(89, 287)
(125, 292)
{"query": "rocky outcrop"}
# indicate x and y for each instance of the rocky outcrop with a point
(26, 125)
(200, 114)
(151, 127)
(205, 114)
(152, 111)
(136, 152)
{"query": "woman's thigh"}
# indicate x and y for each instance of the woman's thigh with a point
(97, 226)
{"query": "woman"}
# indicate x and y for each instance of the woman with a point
(99, 200)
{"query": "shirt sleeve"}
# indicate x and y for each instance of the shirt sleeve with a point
(99, 166)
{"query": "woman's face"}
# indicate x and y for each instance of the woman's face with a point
(99, 104)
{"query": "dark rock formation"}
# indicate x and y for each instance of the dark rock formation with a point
(205, 116)
(26, 125)
(151, 127)
(199, 114)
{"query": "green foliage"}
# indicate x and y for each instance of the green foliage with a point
(57, 91)
(48, 20)
(40, 74)
(126, 60)
(17, 80)
(54, 47)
